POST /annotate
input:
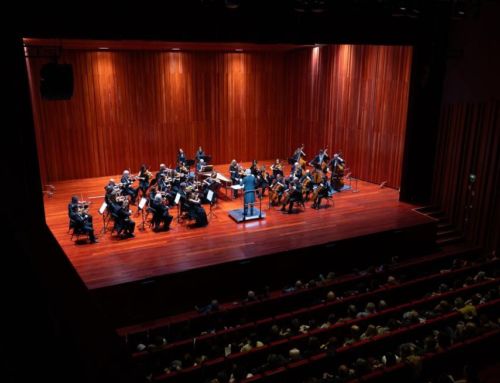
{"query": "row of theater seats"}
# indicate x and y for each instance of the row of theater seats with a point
(192, 324)
(257, 357)
(417, 277)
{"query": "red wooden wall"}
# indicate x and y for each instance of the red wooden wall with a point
(469, 140)
(135, 106)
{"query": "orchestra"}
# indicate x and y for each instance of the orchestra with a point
(325, 176)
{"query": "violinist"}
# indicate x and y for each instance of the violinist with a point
(127, 182)
(254, 169)
(121, 214)
(234, 171)
(277, 168)
(80, 220)
(263, 180)
(144, 178)
(112, 190)
(160, 213)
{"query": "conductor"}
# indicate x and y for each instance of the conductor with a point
(248, 183)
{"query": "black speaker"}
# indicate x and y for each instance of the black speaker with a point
(56, 81)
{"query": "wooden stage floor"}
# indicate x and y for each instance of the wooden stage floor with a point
(113, 261)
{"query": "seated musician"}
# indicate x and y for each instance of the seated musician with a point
(200, 165)
(112, 189)
(181, 157)
(144, 178)
(77, 203)
(200, 154)
(307, 184)
(294, 195)
(160, 213)
(121, 214)
(276, 190)
(213, 184)
(195, 210)
(263, 180)
(321, 191)
(127, 182)
(277, 168)
(162, 172)
(235, 176)
(296, 170)
(81, 223)
(254, 169)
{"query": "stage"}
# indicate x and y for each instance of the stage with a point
(150, 254)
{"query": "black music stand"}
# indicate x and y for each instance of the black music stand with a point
(207, 159)
(211, 213)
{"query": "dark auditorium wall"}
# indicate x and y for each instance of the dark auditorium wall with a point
(139, 106)
(469, 131)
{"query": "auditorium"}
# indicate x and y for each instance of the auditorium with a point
(220, 191)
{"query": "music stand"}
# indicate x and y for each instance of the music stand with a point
(210, 198)
(102, 210)
(142, 203)
(207, 159)
(176, 201)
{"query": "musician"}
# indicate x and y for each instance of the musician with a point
(307, 184)
(195, 210)
(121, 214)
(127, 182)
(296, 170)
(277, 168)
(181, 157)
(294, 195)
(144, 178)
(249, 183)
(160, 213)
(263, 180)
(298, 154)
(337, 165)
(213, 184)
(162, 172)
(276, 190)
(200, 154)
(321, 157)
(112, 189)
(80, 205)
(200, 165)
(254, 169)
(321, 191)
(235, 176)
(80, 222)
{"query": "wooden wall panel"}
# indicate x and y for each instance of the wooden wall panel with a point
(469, 137)
(131, 107)
(353, 99)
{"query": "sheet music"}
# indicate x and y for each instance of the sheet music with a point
(210, 195)
(177, 198)
(103, 207)
(142, 203)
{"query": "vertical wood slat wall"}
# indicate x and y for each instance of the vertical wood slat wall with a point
(131, 107)
(468, 143)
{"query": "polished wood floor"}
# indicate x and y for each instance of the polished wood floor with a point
(115, 261)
